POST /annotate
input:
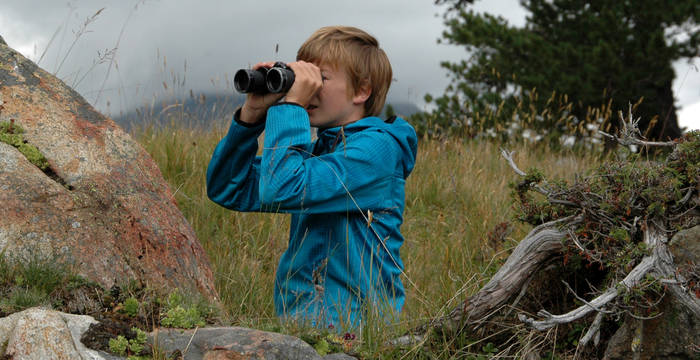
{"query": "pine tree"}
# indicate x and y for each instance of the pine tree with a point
(593, 51)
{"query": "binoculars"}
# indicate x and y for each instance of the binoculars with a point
(277, 79)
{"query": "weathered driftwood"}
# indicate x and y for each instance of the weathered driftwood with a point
(535, 251)
(531, 254)
(544, 244)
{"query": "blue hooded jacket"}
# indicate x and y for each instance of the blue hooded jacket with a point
(345, 192)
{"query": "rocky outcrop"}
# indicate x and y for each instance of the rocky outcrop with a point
(674, 334)
(102, 205)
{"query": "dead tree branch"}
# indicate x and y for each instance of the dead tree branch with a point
(630, 134)
(534, 251)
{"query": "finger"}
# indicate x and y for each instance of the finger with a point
(303, 69)
(267, 64)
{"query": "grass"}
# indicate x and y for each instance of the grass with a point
(457, 194)
(35, 282)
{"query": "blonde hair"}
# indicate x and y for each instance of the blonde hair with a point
(359, 54)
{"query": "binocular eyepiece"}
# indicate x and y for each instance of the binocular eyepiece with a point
(277, 79)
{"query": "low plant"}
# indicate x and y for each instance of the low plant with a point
(131, 306)
(35, 282)
(185, 314)
(131, 347)
(326, 341)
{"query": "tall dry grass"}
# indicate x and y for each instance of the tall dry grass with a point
(457, 193)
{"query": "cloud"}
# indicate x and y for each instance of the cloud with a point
(215, 38)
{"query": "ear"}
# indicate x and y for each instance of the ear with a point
(362, 94)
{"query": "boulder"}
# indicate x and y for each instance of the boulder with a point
(685, 247)
(102, 204)
(674, 334)
(235, 343)
(44, 334)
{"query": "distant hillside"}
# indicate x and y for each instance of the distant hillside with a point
(206, 110)
(202, 110)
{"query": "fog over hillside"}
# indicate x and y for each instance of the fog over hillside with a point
(211, 109)
(120, 54)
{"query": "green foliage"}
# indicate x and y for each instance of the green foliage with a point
(118, 345)
(326, 341)
(615, 202)
(596, 53)
(12, 134)
(322, 347)
(182, 314)
(531, 209)
(132, 347)
(131, 306)
(179, 317)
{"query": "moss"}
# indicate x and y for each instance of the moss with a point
(11, 134)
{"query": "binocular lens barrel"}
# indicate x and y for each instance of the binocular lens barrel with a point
(246, 81)
(277, 79)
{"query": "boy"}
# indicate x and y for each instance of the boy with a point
(345, 190)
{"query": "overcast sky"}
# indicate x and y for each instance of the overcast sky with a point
(215, 38)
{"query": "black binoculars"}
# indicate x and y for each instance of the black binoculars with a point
(277, 79)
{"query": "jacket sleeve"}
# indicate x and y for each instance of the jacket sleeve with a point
(356, 178)
(234, 170)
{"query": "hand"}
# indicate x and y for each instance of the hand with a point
(307, 83)
(256, 105)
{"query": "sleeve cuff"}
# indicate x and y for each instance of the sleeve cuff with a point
(237, 119)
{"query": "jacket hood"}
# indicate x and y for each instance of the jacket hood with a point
(398, 128)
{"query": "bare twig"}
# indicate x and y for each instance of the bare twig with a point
(630, 280)
(548, 193)
(593, 331)
(509, 157)
(627, 142)
(599, 310)
(630, 134)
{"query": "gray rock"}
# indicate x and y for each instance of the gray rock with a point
(674, 335)
(685, 246)
(38, 333)
(339, 356)
(232, 343)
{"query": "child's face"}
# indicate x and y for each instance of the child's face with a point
(335, 104)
